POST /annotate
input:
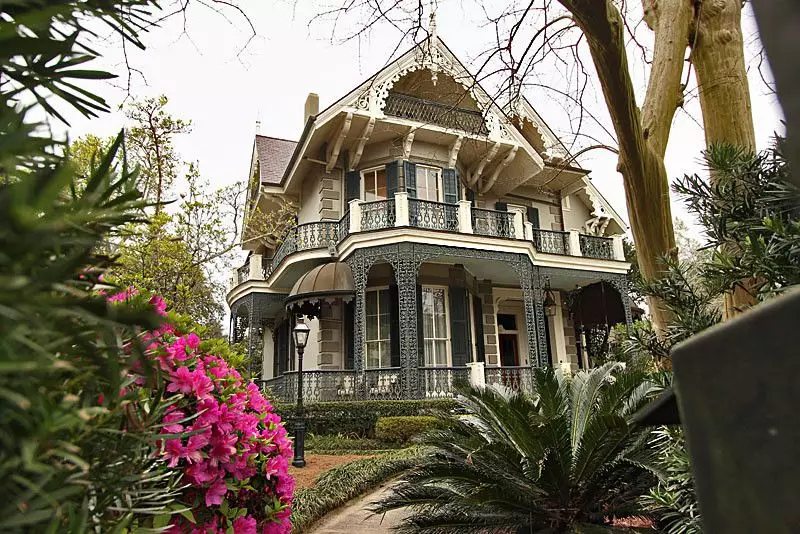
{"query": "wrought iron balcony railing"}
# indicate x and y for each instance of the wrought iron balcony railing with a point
(514, 378)
(437, 382)
(433, 215)
(243, 273)
(551, 241)
(344, 225)
(493, 223)
(383, 384)
(377, 215)
(597, 247)
(306, 236)
(418, 109)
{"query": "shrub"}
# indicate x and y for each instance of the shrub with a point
(342, 483)
(358, 418)
(402, 428)
(343, 443)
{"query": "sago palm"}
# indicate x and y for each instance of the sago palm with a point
(561, 460)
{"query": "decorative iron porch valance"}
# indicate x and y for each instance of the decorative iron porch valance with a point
(325, 283)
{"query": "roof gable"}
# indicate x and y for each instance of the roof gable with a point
(273, 156)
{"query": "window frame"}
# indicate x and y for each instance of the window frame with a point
(439, 181)
(388, 339)
(446, 338)
(374, 170)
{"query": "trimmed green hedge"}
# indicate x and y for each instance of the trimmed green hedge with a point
(358, 418)
(340, 484)
(402, 428)
(343, 443)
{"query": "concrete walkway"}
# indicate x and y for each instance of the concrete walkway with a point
(354, 517)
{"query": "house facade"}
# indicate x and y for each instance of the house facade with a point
(438, 237)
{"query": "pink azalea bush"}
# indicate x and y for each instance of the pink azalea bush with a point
(223, 435)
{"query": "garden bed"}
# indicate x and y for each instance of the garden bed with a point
(316, 464)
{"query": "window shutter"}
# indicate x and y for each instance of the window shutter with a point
(394, 328)
(349, 334)
(533, 217)
(391, 179)
(450, 186)
(501, 206)
(410, 175)
(420, 330)
(477, 311)
(459, 326)
(352, 181)
(471, 195)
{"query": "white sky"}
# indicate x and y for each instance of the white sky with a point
(224, 90)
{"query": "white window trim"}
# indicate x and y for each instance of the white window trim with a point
(362, 172)
(447, 339)
(440, 180)
(380, 340)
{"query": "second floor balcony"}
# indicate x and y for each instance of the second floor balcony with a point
(402, 211)
(430, 112)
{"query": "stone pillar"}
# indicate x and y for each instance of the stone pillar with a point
(477, 374)
(558, 219)
(406, 269)
(330, 196)
(528, 231)
(465, 217)
(329, 338)
(570, 346)
(619, 250)
(256, 272)
(519, 229)
(557, 332)
(401, 217)
(574, 243)
(486, 293)
(355, 216)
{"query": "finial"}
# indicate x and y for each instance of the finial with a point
(258, 127)
(432, 45)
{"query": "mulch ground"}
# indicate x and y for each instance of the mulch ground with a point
(316, 464)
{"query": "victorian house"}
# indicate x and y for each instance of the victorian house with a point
(438, 236)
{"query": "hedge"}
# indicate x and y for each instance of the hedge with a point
(358, 418)
(342, 483)
(328, 444)
(401, 429)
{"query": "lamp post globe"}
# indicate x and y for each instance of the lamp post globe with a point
(300, 333)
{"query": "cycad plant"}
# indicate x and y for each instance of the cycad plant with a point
(563, 460)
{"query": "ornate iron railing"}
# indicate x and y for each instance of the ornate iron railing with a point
(378, 214)
(243, 273)
(551, 241)
(317, 235)
(383, 384)
(266, 267)
(274, 387)
(438, 382)
(433, 215)
(344, 225)
(409, 107)
(287, 246)
(318, 386)
(597, 247)
(493, 223)
(514, 378)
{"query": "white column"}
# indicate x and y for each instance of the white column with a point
(477, 376)
(255, 268)
(355, 216)
(465, 217)
(619, 250)
(557, 333)
(528, 231)
(268, 355)
(519, 230)
(401, 209)
(574, 243)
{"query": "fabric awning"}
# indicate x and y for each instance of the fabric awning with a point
(325, 283)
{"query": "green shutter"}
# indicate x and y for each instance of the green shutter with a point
(410, 175)
(450, 186)
(477, 311)
(391, 179)
(533, 217)
(394, 325)
(352, 182)
(471, 195)
(501, 206)
(349, 334)
(459, 326)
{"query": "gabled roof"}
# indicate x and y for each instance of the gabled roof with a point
(273, 155)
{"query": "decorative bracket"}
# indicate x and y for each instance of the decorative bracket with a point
(454, 148)
(475, 173)
(408, 140)
(500, 166)
(362, 142)
(333, 151)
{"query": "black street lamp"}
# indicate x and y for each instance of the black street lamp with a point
(300, 332)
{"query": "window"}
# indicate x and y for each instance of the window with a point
(428, 183)
(378, 345)
(374, 184)
(435, 325)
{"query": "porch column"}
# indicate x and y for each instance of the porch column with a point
(268, 351)
(406, 268)
(621, 284)
(360, 271)
(534, 312)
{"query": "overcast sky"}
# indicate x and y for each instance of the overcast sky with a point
(223, 81)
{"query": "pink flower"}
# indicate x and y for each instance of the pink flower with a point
(245, 525)
(216, 493)
(201, 473)
(125, 295)
(222, 447)
(171, 427)
(187, 382)
(276, 465)
(159, 304)
(193, 446)
(173, 451)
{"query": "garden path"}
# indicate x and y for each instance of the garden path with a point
(354, 518)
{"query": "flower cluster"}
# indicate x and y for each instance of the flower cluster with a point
(223, 435)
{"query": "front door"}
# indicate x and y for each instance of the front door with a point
(508, 350)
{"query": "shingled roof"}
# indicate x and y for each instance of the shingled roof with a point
(273, 156)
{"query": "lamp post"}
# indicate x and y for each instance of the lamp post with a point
(300, 332)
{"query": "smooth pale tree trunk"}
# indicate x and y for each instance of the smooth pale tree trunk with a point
(642, 136)
(718, 58)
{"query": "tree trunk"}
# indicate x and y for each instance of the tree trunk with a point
(642, 138)
(718, 58)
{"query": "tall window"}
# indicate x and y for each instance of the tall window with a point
(377, 342)
(429, 183)
(374, 184)
(434, 325)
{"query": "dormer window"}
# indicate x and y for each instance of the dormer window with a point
(429, 183)
(373, 184)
